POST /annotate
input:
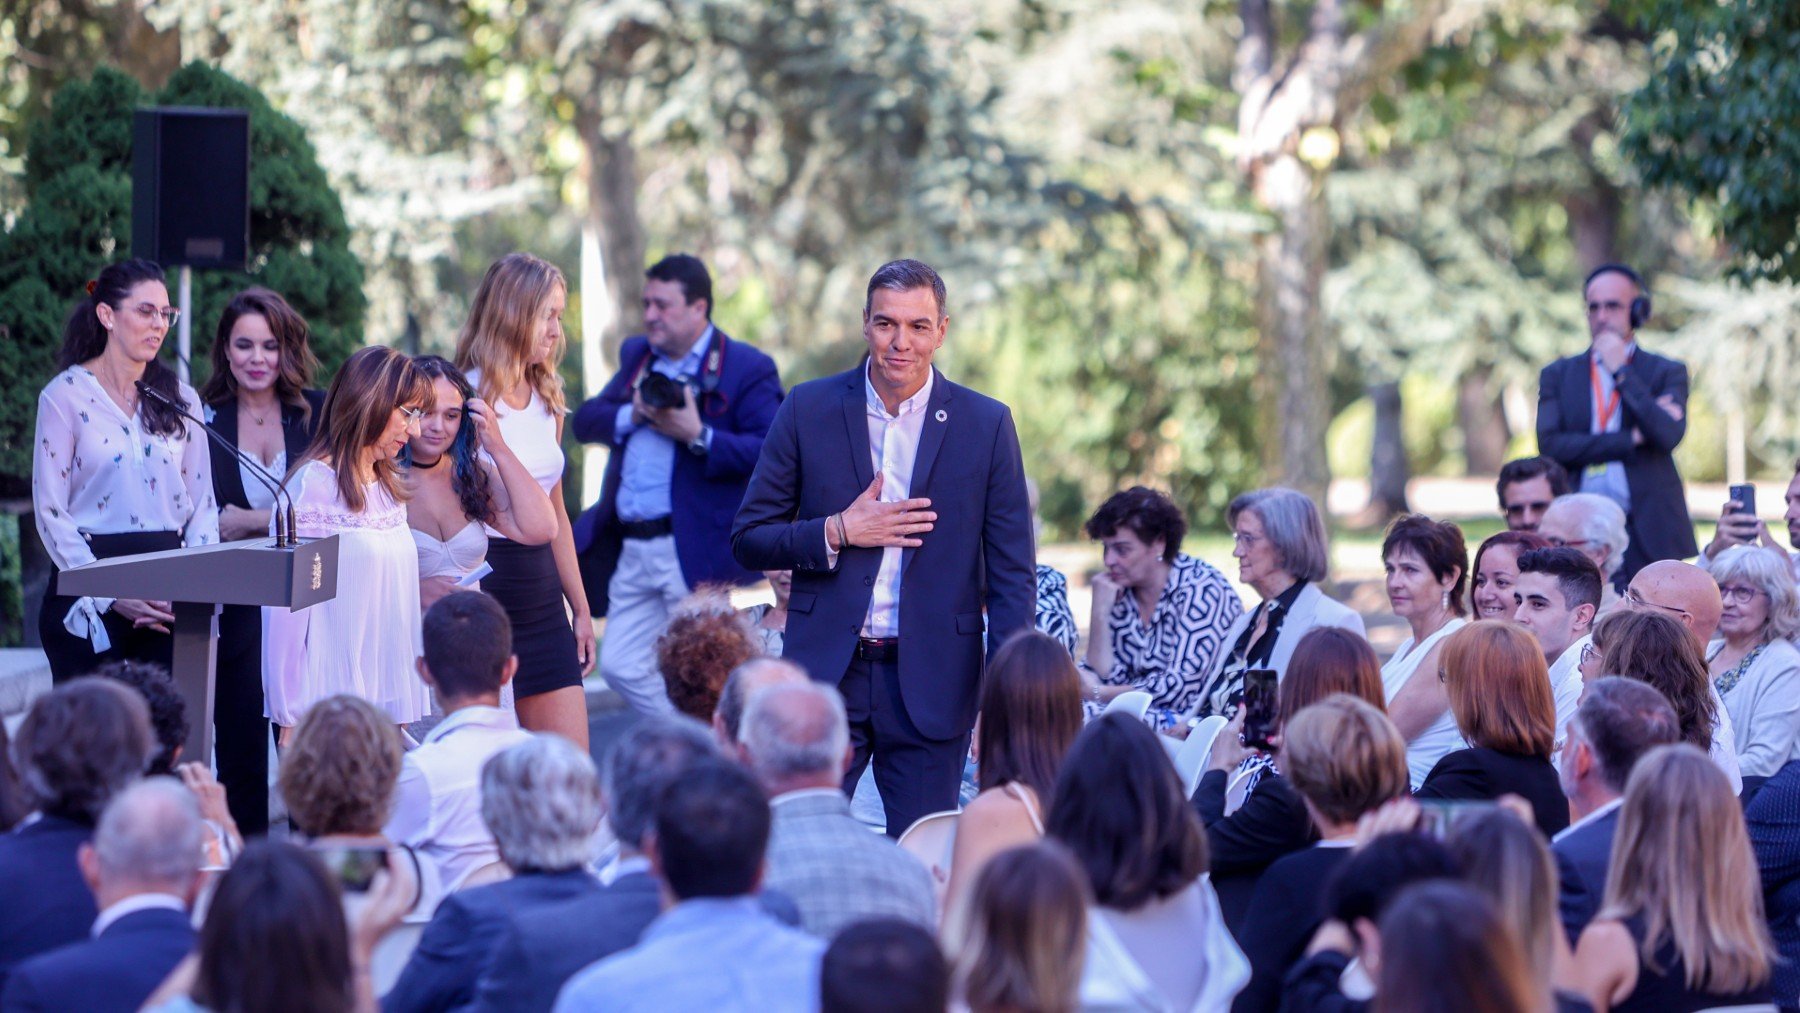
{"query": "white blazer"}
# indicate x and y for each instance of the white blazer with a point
(1311, 609)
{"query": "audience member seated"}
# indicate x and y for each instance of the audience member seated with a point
(168, 713)
(1505, 858)
(706, 638)
(1773, 820)
(1426, 562)
(1619, 721)
(1754, 665)
(1156, 938)
(539, 953)
(337, 777)
(275, 940)
(1682, 590)
(81, 744)
(1346, 759)
(1030, 714)
(1337, 974)
(1024, 943)
(1653, 647)
(144, 869)
(715, 948)
(1496, 570)
(437, 803)
(1282, 554)
(1681, 927)
(1526, 487)
(1499, 692)
(1594, 526)
(884, 965)
(1252, 814)
(768, 620)
(1159, 616)
(1442, 945)
(541, 800)
(1737, 527)
(1052, 614)
(797, 742)
(740, 686)
(1556, 598)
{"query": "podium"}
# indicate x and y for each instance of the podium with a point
(196, 581)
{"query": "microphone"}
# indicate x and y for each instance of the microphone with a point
(286, 534)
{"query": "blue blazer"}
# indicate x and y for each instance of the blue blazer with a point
(44, 902)
(1773, 819)
(460, 939)
(1582, 858)
(978, 556)
(111, 973)
(542, 949)
(704, 490)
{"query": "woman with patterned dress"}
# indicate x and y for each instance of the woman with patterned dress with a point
(364, 641)
(115, 472)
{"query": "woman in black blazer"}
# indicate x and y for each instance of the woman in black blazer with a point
(1499, 690)
(260, 399)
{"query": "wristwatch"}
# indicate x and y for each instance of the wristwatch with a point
(697, 446)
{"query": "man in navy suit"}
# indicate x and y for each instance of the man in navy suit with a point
(1773, 819)
(144, 869)
(1613, 415)
(898, 500)
(676, 473)
(1618, 721)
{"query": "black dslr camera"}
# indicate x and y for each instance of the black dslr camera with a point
(659, 391)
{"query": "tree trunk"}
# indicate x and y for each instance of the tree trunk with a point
(1593, 210)
(609, 163)
(1485, 433)
(1291, 273)
(1388, 471)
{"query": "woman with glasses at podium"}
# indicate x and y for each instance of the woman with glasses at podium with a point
(348, 483)
(509, 349)
(260, 398)
(114, 472)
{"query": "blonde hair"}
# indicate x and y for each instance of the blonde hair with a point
(340, 770)
(1344, 757)
(1499, 688)
(1681, 860)
(496, 339)
(1505, 858)
(1022, 942)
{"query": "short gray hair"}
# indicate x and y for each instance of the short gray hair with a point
(150, 834)
(904, 276)
(795, 731)
(656, 752)
(1600, 521)
(732, 695)
(1292, 525)
(541, 801)
(1769, 572)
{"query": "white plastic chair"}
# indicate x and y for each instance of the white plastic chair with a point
(1134, 703)
(1190, 761)
(931, 839)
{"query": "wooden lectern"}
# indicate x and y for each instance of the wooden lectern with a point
(197, 581)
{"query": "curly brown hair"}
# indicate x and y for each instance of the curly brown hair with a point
(339, 772)
(705, 640)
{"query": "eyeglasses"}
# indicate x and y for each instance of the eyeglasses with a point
(149, 313)
(1633, 598)
(1565, 543)
(1589, 653)
(412, 414)
(1245, 539)
(1738, 594)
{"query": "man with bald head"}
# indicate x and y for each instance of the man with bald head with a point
(797, 742)
(740, 686)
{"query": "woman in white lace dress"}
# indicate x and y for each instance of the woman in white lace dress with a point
(365, 640)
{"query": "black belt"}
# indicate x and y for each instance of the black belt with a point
(656, 527)
(878, 648)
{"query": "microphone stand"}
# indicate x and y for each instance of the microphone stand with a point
(286, 530)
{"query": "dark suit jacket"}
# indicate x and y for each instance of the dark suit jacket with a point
(1482, 773)
(1272, 822)
(1582, 859)
(704, 491)
(1658, 523)
(816, 462)
(542, 949)
(1287, 908)
(460, 939)
(1773, 819)
(44, 902)
(228, 483)
(113, 973)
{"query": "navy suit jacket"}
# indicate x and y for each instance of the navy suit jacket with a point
(816, 461)
(1773, 819)
(542, 949)
(1658, 522)
(44, 902)
(704, 490)
(1582, 858)
(460, 939)
(111, 973)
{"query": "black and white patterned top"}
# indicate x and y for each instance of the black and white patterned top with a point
(1170, 656)
(1053, 613)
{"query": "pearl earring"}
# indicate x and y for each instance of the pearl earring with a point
(1446, 602)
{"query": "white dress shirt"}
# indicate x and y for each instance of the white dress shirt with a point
(437, 804)
(893, 449)
(1566, 687)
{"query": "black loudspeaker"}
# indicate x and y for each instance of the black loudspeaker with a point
(190, 187)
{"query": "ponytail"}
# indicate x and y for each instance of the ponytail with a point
(84, 339)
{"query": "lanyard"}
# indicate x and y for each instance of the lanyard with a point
(1605, 408)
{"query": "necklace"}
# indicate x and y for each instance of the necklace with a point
(126, 397)
(421, 465)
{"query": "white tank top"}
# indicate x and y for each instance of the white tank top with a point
(531, 433)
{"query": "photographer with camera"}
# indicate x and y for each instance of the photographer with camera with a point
(685, 417)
